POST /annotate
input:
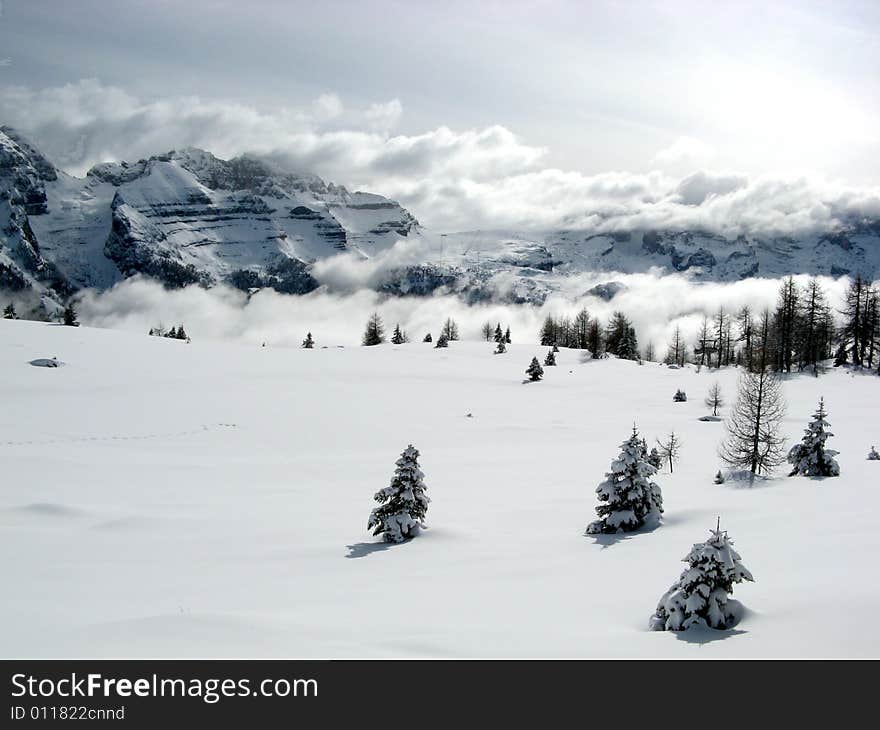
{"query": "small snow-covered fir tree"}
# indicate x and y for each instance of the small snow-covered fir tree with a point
(550, 359)
(498, 335)
(680, 396)
(555, 347)
(700, 596)
(308, 342)
(719, 477)
(873, 455)
(399, 336)
(69, 316)
(628, 497)
(403, 504)
(428, 338)
(500, 347)
(9, 311)
(442, 341)
(507, 335)
(655, 459)
(534, 370)
(810, 457)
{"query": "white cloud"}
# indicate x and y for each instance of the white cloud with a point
(450, 179)
(327, 106)
(383, 117)
(688, 151)
(655, 304)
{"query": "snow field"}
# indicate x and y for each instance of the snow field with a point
(211, 499)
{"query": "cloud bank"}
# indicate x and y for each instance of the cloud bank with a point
(655, 304)
(485, 178)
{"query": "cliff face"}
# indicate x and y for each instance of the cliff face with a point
(183, 218)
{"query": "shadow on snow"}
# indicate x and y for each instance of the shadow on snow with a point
(362, 549)
(607, 539)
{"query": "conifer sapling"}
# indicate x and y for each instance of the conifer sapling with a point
(534, 370)
(70, 316)
(550, 360)
(810, 457)
(628, 497)
(700, 596)
(403, 504)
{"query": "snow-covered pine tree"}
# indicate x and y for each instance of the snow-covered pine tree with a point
(629, 345)
(555, 348)
(680, 396)
(442, 341)
(549, 331)
(181, 333)
(655, 459)
(810, 458)
(700, 596)
(628, 497)
(172, 333)
(499, 335)
(308, 342)
(70, 316)
(719, 477)
(398, 337)
(374, 332)
(428, 338)
(550, 360)
(9, 311)
(534, 370)
(403, 503)
(873, 455)
(507, 336)
(500, 347)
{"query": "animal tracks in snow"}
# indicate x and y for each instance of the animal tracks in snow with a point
(204, 428)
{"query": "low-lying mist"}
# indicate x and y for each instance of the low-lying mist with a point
(654, 303)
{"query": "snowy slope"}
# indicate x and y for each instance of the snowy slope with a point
(211, 500)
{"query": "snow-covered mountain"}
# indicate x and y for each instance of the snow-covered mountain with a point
(187, 217)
